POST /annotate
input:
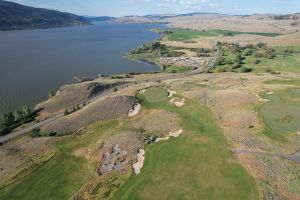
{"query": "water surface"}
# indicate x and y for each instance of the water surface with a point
(33, 62)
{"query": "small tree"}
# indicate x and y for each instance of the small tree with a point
(246, 69)
(26, 111)
(256, 62)
(51, 93)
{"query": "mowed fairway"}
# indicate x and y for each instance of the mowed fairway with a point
(282, 114)
(62, 176)
(197, 165)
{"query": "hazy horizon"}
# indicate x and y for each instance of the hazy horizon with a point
(119, 8)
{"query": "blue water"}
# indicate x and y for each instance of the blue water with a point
(33, 62)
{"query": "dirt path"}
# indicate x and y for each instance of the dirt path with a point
(293, 157)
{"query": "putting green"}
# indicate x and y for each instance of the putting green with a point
(282, 113)
(156, 94)
(197, 165)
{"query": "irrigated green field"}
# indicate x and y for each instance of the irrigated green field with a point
(185, 34)
(232, 33)
(282, 113)
(197, 165)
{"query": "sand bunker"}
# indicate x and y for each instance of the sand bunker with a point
(162, 139)
(173, 134)
(140, 162)
(171, 93)
(178, 103)
(135, 110)
(142, 91)
(261, 99)
(270, 92)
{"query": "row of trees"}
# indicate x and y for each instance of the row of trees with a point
(156, 49)
(11, 120)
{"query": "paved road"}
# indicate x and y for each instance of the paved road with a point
(25, 130)
(293, 157)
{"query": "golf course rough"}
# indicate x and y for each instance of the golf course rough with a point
(197, 165)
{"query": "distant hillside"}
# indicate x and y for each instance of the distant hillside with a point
(15, 16)
(99, 19)
(169, 17)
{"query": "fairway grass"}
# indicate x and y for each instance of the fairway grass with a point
(282, 113)
(197, 165)
(62, 176)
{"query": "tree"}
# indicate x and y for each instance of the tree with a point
(238, 59)
(262, 45)
(51, 93)
(18, 115)
(256, 62)
(246, 69)
(247, 52)
(9, 119)
(26, 111)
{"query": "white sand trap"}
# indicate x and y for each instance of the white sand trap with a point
(161, 139)
(177, 102)
(171, 93)
(140, 162)
(173, 134)
(298, 133)
(270, 92)
(261, 99)
(135, 110)
(142, 91)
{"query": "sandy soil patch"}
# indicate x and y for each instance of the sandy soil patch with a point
(140, 162)
(135, 110)
(178, 103)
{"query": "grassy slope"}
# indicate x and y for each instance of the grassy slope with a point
(62, 176)
(197, 165)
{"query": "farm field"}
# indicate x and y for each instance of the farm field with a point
(191, 166)
(185, 34)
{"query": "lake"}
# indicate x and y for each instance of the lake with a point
(33, 62)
